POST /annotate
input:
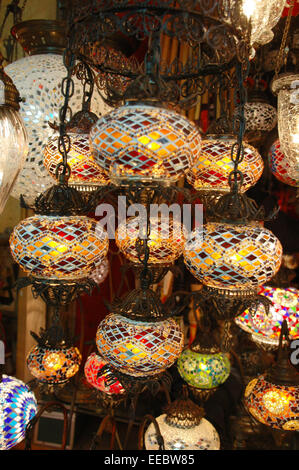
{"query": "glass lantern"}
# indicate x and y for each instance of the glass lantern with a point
(104, 381)
(265, 328)
(260, 116)
(143, 142)
(139, 348)
(17, 407)
(203, 370)
(166, 239)
(50, 247)
(213, 165)
(280, 167)
(234, 257)
(274, 405)
(53, 365)
(286, 88)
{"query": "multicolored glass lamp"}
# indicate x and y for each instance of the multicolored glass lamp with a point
(100, 376)
(53, 361)
(17, 407)
(265, 328)
(143, 142)
(203, 366)
(213, 165)
(280, 167)
(273, 397)
(13, 136)
(139, 348)
(182, 427)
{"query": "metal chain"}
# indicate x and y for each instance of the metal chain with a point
(280, 57)
(63, 170)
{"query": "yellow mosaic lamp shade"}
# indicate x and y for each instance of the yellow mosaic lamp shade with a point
(53, 365)
(85, 172)
(234, 257)
(139, 348)
(54, 247)
(166, 239)
(211, 168)
(144, 142)
(274, 405)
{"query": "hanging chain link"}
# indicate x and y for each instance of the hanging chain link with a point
(63, 170)
(282, 50)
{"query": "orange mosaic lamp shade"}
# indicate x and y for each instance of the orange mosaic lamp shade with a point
(234, 257)
(144, 142)
(139, 348)
(273, 405)
(211, 168)
(85, 171)
(53, 365)
(166, 240)
(54, 247)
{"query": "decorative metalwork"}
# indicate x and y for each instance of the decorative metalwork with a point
(139, 348)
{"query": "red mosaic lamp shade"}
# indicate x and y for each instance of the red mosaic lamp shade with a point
(233, 257)
(165, 241)
(279, 165)
(58, 247)
(53, 365)
(86, 174)
(104, 381)
(144, 142)
(212, 167)
(139, 348)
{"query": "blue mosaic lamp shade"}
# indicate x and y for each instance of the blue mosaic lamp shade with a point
(203, 371)
(17, 407)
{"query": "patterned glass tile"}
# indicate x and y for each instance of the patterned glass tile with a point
(145, 142)
(238, 256)
(139, 348)
(58, 247)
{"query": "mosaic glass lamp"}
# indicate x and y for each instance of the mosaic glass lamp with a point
(260, 116)
(17, 407)
(279, 165)
(52, 247)
(211, 168)
(265, 328)
(203, 370)
(13, 137)
(183, 428)
(231, 256)
(86, 174)
(139, 348)
(165, 241)
(101, 377)
(288, 120)
(100, 271)
(273, 397)
(144, 142)
(38, 78)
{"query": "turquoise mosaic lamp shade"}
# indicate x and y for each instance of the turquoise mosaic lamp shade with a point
(203, 370)
(17, 407)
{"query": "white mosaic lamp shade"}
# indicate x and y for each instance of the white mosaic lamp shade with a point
(139, 348)
(200, 437)
(38, 79)
(58, 247)
(17, 407)
(145, 143)
(286, 88)
(166, 239)
(234, 257)
(260, 116)
(14, 149)
(213, 165)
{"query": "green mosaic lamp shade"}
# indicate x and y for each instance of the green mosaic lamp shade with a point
(203, 371)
